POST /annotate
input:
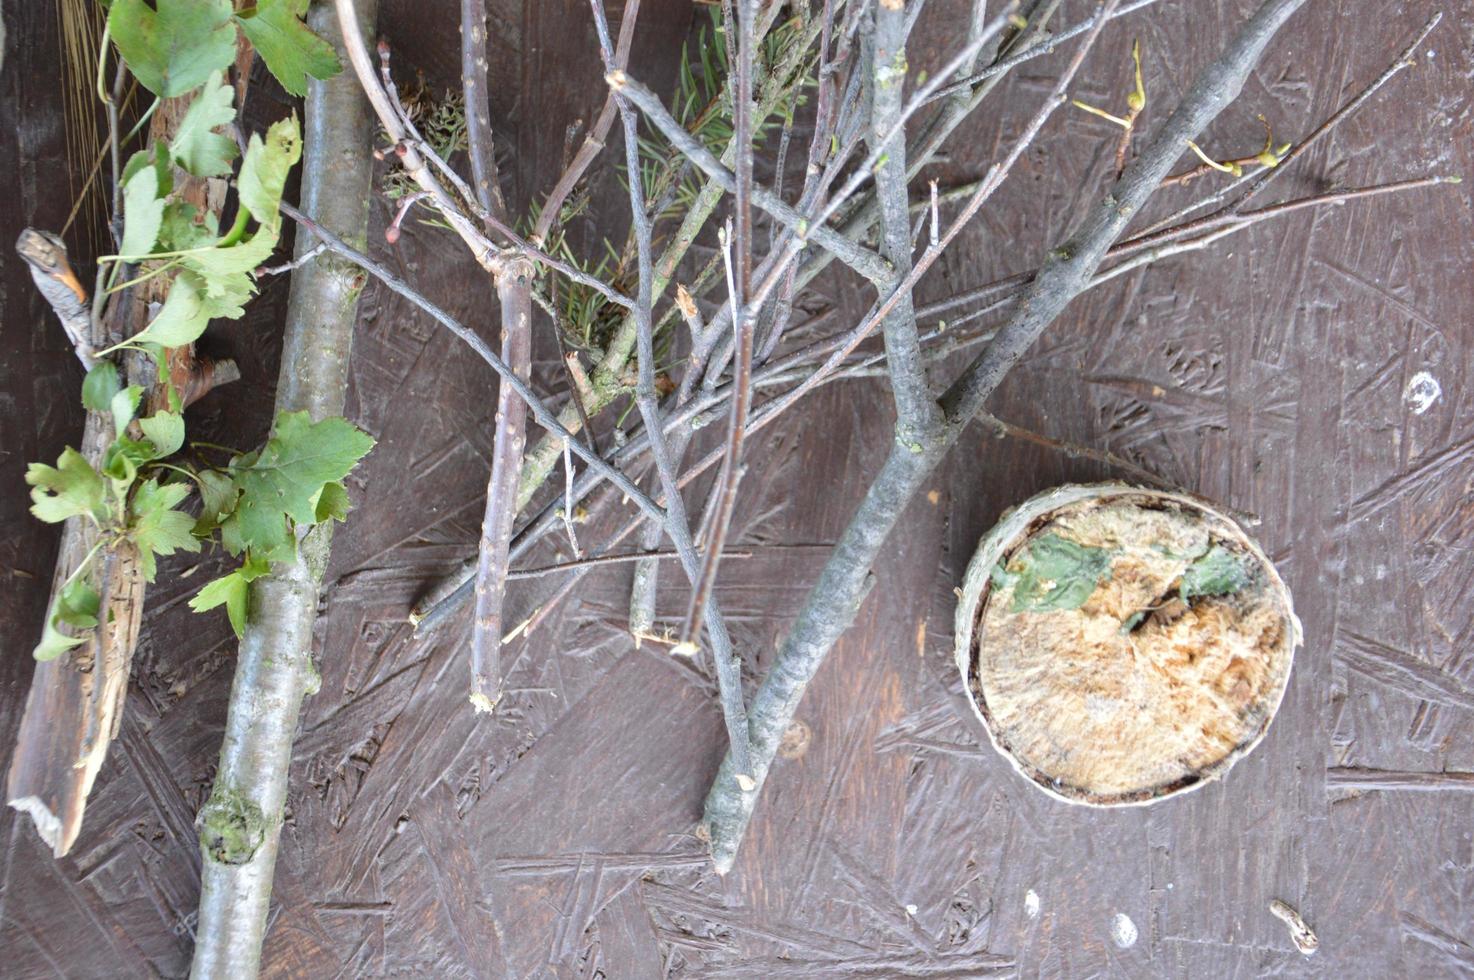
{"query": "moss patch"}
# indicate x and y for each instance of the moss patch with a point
(231, 827)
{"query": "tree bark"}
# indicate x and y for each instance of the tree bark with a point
(240, 825)
(75, 704)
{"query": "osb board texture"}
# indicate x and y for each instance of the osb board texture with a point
(553, 840)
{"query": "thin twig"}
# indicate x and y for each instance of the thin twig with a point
(594, 561)
(594, 140)
(728, 668)
(480, 145)
(835, 599)
(540, 411)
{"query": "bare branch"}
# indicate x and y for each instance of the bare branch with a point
(480, 145)
(728, 668)
(836, 598)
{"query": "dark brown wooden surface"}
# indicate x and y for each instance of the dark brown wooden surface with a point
(554, 838)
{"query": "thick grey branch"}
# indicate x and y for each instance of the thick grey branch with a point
(836, 597)
(240, 825)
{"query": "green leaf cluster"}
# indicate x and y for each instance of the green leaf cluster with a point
(261, 500)
(175, 45)
(294, 480)
(214, 274)
(1053, 573)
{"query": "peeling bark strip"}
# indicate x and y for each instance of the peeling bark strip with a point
(240, 825)
(74, 708)
(514, 290)
(835, 599)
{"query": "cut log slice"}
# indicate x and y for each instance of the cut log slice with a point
(1122, 645)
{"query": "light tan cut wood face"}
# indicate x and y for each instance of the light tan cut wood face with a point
(1136, 685)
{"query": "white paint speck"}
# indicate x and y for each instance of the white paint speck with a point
(1031, 904)
(1123, 931)
(910, 910)
(1421, 392)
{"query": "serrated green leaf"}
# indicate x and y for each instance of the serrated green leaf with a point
(286, 479)
(232, 591)
(264, 171)
(291, 51)
(218, 493)
(223, 269)
(183, 317)
(99, 387)
(1219, 571)
(124, 405)
(77, 605)
(196, 146)
(143, 214)
(174, 46)
(120, 461)
(165, 430)
(331, 504)
(1054, 573)
(69, 489)
(156, 527)
(186, 228)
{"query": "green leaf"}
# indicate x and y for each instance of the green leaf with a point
(264, 171)
(183, 317)
(165, 430)
(1218, 571)
(121, 460)
(332, 503)
(232, 591)
(99, 387)
(196, 146)
(290, 50)
(218, 494)
(186, 228)
(77, 605)
(223, 269)
(69, 489)
(287, 478)
(124, 406)
(1054, 573)
(156, 526)
(151, 157)
(143, 214)
(175, 46)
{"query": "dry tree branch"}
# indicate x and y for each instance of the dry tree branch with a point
(608, 378)
(513, 275)
(480, 146)
(842, 585)
(594, 140)
(728, 668)
(744, 317)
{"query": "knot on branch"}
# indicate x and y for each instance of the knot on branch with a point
(511, 266)
(232, 828)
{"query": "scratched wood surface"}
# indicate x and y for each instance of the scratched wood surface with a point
(1277, 373)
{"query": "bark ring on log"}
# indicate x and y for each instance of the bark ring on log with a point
(1121, 644)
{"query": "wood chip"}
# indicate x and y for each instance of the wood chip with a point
(1300, 933)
